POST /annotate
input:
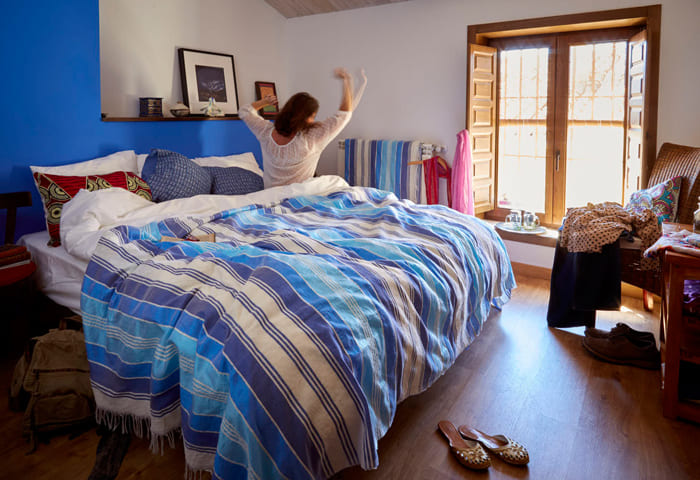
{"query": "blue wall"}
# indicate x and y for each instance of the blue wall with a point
(50, 81)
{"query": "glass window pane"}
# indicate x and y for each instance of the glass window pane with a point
(522, 132)
(595, 132)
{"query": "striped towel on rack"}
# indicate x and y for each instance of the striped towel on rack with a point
(387, 165)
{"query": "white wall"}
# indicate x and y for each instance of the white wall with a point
(415, 56)
(139, 41)
(414, 53)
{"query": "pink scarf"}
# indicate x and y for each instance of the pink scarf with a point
(462, 196)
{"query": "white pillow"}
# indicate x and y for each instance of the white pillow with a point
(124, 161)
(244, 160)
(140, 160)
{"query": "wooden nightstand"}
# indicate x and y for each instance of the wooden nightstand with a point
(17, 291)
(681, 332)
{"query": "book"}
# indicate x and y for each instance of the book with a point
(15, 258)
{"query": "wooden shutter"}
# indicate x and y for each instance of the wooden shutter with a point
(636, 87)
(482, 124)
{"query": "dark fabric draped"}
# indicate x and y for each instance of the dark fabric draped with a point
(582, 283)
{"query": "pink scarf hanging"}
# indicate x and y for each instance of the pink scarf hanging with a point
(462, 196)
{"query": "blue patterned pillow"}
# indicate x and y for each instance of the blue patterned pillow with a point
(234, 181)
(172, 175)
(661, 198)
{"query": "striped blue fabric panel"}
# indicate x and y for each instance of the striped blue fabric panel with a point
(386, 165)
(282, 350)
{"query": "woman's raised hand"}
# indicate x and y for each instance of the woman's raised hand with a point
(342, 73)
(270, 99)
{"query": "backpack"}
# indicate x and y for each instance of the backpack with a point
(57, 382)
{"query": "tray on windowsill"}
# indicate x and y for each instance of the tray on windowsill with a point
(533, 231)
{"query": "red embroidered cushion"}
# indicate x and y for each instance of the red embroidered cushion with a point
(56, 190)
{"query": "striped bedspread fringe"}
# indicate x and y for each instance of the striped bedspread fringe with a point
(389, 165)
(139, 426)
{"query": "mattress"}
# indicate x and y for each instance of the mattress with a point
(59, 274)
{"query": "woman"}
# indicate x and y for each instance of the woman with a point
(292, 146)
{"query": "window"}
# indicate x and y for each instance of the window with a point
(557, 113)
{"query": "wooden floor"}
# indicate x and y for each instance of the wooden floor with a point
(579, 418)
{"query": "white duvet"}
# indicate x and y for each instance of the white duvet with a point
(88, 214)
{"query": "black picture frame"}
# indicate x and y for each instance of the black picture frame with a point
(208, 74)
(266, 88)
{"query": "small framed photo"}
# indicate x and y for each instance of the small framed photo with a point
(206, 75)
(266, 88)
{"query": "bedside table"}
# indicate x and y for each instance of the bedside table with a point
(682, 334)
(17, 290)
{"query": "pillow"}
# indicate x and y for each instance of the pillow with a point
(124, 161)
(244, 160)
(662, 199)
(234, 181)
(172, 175)
(140, 160)
(57, 190)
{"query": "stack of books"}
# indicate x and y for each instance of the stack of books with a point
(15, 264)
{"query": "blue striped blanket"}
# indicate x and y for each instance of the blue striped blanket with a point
(384, 164)
(282, 349)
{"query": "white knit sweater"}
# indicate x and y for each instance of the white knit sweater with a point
(296, 161)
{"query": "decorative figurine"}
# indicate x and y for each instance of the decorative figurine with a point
(212, 109)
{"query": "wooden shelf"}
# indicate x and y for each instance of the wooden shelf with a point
(193, 118)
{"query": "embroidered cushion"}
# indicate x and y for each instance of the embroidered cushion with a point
(234, 181)
(56, 190)
(662, 199)
(172, 175)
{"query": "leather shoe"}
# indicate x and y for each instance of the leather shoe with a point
(624, 350)
(620, 329)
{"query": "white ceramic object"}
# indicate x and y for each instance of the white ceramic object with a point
(180, 110)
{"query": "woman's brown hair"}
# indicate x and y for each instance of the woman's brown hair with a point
(293, 116)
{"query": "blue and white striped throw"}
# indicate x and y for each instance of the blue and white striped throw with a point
(393, 166)
(282, 349)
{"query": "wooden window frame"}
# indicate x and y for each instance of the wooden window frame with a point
(648, 17)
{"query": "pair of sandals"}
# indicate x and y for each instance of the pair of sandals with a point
(468, 444)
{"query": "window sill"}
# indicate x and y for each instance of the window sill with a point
(547, 239)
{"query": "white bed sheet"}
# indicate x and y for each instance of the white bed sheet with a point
(59, 274)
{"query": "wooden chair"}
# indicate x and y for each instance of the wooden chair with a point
(673, 161)
(10, 202)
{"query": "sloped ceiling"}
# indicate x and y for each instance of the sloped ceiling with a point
(301, 8)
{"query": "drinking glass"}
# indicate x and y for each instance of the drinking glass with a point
(530, 221)
(514, 219)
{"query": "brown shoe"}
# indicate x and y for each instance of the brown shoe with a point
(620, 329)
(624, 350)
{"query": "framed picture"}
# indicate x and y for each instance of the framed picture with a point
(266, 88)
(206, 75)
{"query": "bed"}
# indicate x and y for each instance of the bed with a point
(282, 348)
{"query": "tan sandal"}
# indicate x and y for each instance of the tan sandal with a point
(503, 447)
(469, 453)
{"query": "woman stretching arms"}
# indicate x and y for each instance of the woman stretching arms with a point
(292, 146)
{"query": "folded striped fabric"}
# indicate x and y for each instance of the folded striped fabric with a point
(390, 165)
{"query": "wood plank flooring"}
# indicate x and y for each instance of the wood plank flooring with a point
(579, 418)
